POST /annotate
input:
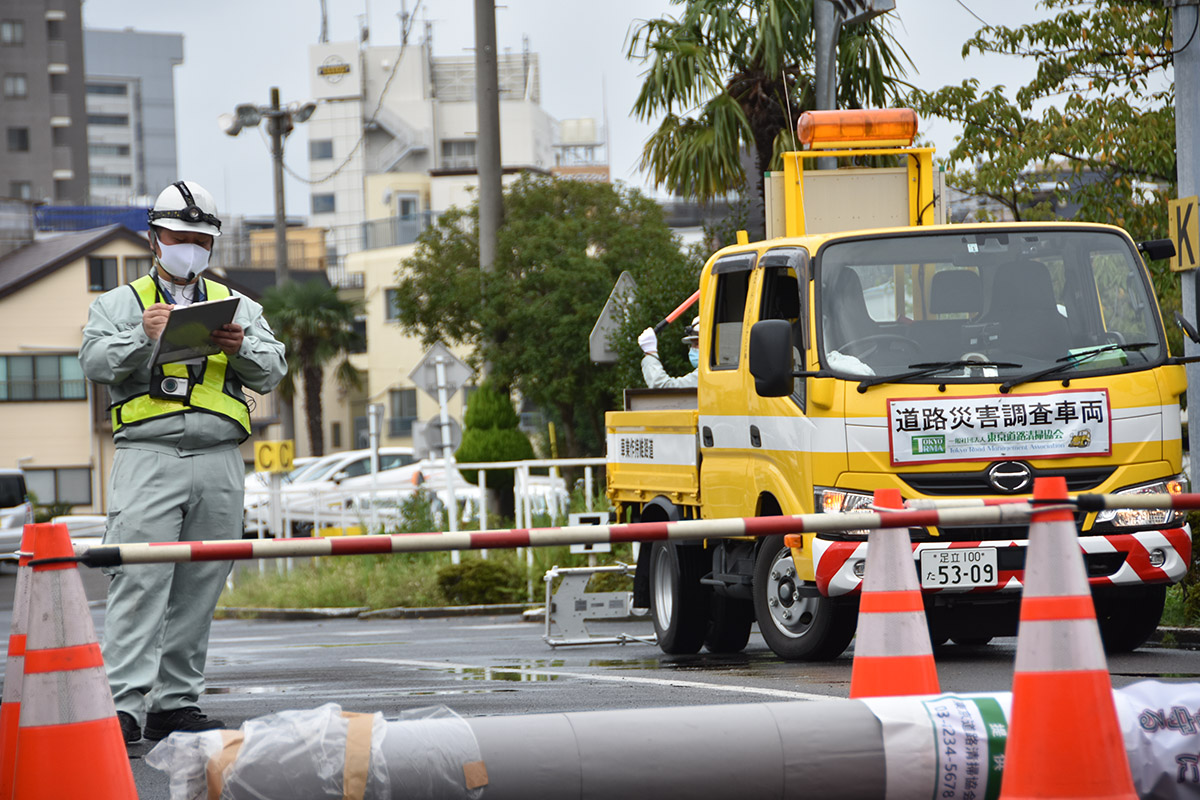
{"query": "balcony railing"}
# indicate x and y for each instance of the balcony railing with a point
(393, 231)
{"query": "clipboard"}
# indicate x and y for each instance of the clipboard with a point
(188, 329)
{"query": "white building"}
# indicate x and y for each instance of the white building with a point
(394, 140)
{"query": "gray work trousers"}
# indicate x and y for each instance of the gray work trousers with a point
(158, 615)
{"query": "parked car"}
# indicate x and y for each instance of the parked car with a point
(258, 481)
(319, 479)
(16, 511)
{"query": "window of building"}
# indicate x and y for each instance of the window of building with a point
(15, 86)
(102, 274)
(64, 191)
(60, 137)
(458, 154)
(403, 406)
(68, 485)
(360, 330)
(58, 83)
(323, 204)
(109, 119)
(18, 140)
(108, 149)
(390, 313)
(42, 377)
(54, 29)
(319, 149)
(136, 267)
(335, 435)
(111, 180)
(22, 190)
(12, 31)
(108, 88)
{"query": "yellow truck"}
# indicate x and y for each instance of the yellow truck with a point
(861, 346)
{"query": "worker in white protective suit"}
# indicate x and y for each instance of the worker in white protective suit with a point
(177, 475)
(652, 369)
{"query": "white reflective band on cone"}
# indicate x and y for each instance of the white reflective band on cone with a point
(1061, 645)
(59, 698)
(892, 633)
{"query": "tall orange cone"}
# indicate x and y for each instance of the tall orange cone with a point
(892, 651)
(14, 668)
(1061, 677)
(69, 741)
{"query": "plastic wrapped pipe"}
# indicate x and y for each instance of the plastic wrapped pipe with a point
(894, 748)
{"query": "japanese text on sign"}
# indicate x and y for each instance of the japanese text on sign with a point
(925, 430)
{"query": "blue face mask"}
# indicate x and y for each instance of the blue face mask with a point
(694, 357)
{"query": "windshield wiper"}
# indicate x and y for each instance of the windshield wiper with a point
(1071, 361)
(929, 368)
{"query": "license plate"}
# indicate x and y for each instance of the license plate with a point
(959, 568)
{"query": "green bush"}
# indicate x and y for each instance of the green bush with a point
(491, 434)
(476, 582)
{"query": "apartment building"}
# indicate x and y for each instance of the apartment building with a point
(42, 108)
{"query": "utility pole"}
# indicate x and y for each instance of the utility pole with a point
(1187, 124)
(487, 145)
(276, 121)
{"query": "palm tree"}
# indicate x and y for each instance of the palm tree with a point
(317, 326)
(727, 77)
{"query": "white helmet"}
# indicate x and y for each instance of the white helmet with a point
(186, 206)
(691, 334)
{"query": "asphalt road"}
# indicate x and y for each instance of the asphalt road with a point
(490, 665)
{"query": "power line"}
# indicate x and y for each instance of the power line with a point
(973, 14)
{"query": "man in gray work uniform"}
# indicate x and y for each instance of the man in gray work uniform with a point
(178, 474)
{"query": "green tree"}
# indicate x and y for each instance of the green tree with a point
(560, 251)
(490, 434)
(726, 77)
(317, 327)
(1097, 121)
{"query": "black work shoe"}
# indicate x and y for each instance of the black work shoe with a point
(130, 729)
(162, 724)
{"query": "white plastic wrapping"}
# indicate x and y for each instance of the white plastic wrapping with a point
(298, 755)
(1160, 723)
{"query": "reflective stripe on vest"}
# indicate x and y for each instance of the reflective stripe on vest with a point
(209, 395)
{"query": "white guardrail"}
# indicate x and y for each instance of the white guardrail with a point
(375, 504)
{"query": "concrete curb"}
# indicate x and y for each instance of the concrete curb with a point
(364, 612)
(1188, 638)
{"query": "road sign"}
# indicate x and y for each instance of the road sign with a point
(620, 299)
(1183, 222)
(274, 456)
(424, 374)
(427, 437)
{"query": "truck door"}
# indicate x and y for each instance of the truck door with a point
(781, 434)
(724, 387)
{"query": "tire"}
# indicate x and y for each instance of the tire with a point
(729, 628)
(1128, 618)
(795, 627)
(679, 603)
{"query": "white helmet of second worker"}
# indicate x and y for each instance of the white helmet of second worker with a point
(691, 335)
(186, 206)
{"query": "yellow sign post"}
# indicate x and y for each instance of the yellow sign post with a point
(274, 456)
(1183, 222)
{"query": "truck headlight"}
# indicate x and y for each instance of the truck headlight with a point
(833, 501)
(1143, 517)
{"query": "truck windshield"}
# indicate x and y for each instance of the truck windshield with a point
(980, 306)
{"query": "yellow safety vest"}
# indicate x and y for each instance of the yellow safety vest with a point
(209, 395)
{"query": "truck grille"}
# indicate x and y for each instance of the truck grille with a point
(975, 484)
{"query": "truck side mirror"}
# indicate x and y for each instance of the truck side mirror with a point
(1157, 249)
(1188, 327)
(771, 357)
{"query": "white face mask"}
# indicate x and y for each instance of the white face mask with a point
(183, 261)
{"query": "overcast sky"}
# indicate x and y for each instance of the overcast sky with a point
(234, 51)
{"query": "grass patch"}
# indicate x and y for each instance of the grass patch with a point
(416, 580)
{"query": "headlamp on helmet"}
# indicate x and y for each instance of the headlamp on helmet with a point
(190, 212)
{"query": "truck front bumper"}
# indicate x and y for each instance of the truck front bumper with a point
(1125, 559)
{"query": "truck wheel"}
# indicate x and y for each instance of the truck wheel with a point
(797, 627)
(1128, 618)
(679, 603)
(729, 629)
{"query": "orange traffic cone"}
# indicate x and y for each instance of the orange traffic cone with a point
(67, 713)
(1061, 674)
(14, 668)
(892, 651)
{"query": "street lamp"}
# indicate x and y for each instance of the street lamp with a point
(280, 123)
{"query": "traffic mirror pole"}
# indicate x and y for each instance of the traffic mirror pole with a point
(1187, 124)
(447, 451)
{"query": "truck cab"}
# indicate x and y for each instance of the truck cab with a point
(945, 361)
